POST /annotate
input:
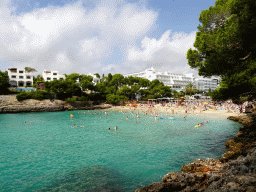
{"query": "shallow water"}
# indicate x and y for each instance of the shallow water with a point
(51, 155)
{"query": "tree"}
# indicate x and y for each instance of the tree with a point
(73, 76)
(190, 88)
(4, 82)
(29, 69)
(97, 75)
(225, 44)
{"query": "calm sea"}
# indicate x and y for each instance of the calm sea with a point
(51, 155)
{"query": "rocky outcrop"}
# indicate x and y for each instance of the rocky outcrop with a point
(9, 104)
(235, 171)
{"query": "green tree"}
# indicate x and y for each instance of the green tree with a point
(97, 75)
(73, 76)
(190, 88)
(225, 45)
(29, 69)
(4, 82)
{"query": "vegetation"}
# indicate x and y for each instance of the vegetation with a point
(38, 95)
(225, 46)
(29, 69)
(190, 89)
(4, 83)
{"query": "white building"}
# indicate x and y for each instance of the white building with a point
(204, 84)
(173, 80)
(20, 77)
(176, 81)
(51, 75)
(95, 79)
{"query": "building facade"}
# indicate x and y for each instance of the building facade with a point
(51, 75)
(20, 77)
(176, 81)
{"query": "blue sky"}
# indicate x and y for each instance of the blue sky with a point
(99, 36)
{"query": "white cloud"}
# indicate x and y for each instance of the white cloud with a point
(70, 37)
(166, 53)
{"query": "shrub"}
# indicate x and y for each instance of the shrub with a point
(84, 99)
(71, 100)
(23, 96)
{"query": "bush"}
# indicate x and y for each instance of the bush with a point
(23, 96)
(71, 100)
(113, 98)
(84, 99)
(38, 95)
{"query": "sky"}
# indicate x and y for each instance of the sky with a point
(99, 36)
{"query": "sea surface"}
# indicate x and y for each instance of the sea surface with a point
(51, 155)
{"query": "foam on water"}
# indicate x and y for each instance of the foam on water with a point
(49, 155)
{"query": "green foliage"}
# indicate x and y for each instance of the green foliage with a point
(84, 99)
(23, 96)
(29, 69)
(114, 99)
(38, 95)
(148, 97)
(73, 77)
(190, 89)
(97, 75)
(4, 83)
(71, 100)
(225, 46)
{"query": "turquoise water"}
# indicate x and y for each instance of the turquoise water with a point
(51, 155)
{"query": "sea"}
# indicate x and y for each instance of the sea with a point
(43, 151)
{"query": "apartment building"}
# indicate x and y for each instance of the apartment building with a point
(20, 77)
(173, 80)
(51, 75)
(176, 81)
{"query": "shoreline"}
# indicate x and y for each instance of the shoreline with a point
(233, 172)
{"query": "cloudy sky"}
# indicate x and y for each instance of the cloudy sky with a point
(98, 36)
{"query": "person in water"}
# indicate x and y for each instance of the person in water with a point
(109, 128)
(127, 118)
(184, 118)
(116, 128)
(77, 126)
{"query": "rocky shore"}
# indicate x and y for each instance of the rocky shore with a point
(9, 104)
(235, 171)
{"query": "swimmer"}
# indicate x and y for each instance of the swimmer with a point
(208, 131)
(109, 128)
(77, 126)
(25, 122)
(136, 122)
(115, 127)
(155, 118)
(138, 116)
(127, 118)
(184, 118)
(31, 122)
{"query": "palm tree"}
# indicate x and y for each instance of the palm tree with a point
(190, 88)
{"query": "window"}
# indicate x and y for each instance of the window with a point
(20, 71)
(13, 76)
(54, 73)
(21, 77)
(48, 78)
(28, 77)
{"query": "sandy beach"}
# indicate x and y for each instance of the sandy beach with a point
(176, 110)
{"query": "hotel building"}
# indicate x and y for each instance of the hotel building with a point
(20, 77)
(51, 75)
(176, 81)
